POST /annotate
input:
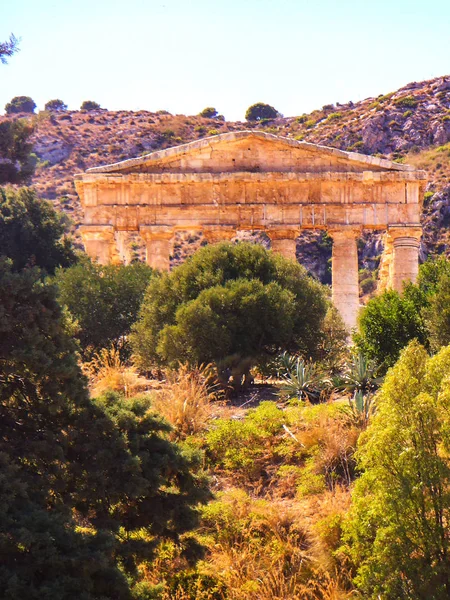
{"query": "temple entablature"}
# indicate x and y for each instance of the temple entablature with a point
(250, 180)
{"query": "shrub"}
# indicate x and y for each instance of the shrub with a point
(334, 116)
(260, 111)
(17, 161)
(397, 535)
(186, 400)
(406, 102)
(56, 106)
(20, 104)
(209, 113)
(89, 105)
(104, 301)
(231, 305)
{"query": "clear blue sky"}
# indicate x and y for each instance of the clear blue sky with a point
(183, 55)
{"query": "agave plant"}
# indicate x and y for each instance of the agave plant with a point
(361, 381)
(300, 379)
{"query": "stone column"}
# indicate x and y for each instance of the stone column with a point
(123, 246)
(405, 259)
(214, 235)
(158, 241)
(345, 285)
(283, 241)
(385, 268)
(99, 243)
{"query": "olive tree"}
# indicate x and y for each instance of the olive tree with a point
(230, 304)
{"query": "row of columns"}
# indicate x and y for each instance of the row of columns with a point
(400, 261)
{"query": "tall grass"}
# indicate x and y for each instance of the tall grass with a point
(188, 399)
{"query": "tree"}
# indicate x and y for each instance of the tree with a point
(390, 321)
(56, 106)
(104, 300)
(86, 486)
(20, 104)
(437, 315)
(209, 113)
(397, 533)
(32, 232)
(17, 162)
(231, 304)
(88, 105)
(259, 111)
(8, 48)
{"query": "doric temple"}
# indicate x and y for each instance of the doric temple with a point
(250, 180)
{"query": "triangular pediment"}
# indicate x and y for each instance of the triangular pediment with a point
(252, 151)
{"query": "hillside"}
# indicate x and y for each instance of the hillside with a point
(411, 124)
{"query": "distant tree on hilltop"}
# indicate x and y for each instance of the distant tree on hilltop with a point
(260, 111)
(8, 48)
(20, 104)
(56, 105)
(90, 105)
(209, 112)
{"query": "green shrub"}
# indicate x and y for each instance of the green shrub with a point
(20, 104)
(89, 105)
(334, 116)
(209, 113)
(56, 106)
(406, 102)
(260, 111)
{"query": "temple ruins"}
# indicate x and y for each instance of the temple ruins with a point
(250, 180)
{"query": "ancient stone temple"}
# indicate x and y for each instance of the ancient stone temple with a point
(251, 180)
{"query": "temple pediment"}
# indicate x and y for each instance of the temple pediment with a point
(253, 152)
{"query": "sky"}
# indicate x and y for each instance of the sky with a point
(184, 55)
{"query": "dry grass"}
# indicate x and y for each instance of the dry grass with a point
(188, 400)
(107, 372)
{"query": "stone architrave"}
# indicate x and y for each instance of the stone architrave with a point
(344, 274)
(255, 181)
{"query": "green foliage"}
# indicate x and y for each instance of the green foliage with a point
(85, 486)
(406, 102)
(240, 446)
(104, 301)
(17, 163)
(231, 304)
(56, 106)
(88, 105)
(301, 379)
(334, 116)
(8, 48)
(388, 322)
(437, 315)
(397, 535)
(260, 111)
(209, 113)
(32, 232)
(20, 104)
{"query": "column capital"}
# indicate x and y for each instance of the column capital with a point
(407, 231)
(216, 234)
(156, 232)
(279, 233)
(97, 232)
(344, 232)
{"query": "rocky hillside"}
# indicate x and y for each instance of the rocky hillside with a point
(411, 124)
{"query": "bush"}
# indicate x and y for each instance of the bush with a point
(209, 113)
(17, 162)
(20, 104)
(32, 233)
(230, 305)
(397, 534)
(104, 301)
(260, 111)
(88, 105)
(406, 102)
(56, 106)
